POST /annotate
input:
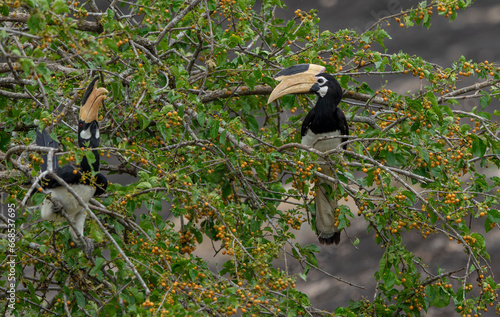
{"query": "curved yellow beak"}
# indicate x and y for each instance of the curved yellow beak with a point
(295, 79)
(92, 100)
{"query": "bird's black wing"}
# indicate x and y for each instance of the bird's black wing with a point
(344, 127)
(308, 120)
(101, 183)
(44, 139)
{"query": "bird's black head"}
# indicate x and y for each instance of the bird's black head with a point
(88, 127)
(327, 86)
(307, 78)
(88, 134)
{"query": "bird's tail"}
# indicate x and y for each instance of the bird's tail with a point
(326, 211)
(43, 138)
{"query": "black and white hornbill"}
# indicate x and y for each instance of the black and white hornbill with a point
(322, 128)
(80, 176)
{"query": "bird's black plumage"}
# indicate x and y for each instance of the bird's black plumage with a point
(44, 139)
(71, 174)
(92, 130)
(325, 119)
(83, 177)
(326, 116)
(324, 128)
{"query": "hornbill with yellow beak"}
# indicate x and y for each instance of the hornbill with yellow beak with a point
(322, 128)
(80, 176)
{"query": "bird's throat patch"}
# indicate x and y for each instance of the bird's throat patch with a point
(322, 91)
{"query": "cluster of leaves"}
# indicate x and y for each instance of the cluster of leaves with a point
(186, 116)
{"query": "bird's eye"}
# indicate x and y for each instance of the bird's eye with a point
(321, 80)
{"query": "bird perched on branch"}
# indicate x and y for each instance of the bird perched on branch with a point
(82, 177)
(323, 129)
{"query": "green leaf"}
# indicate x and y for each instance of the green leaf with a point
(214, 129)
(110, 43)
(90, 157)
(424, 155)
(4, 9)
(198, 235)
(193, 274)
(60, 6)
(144, 120)
(98, 264)
(488, 225)
(222, 138)
(410, 195)
(144, 185)
(356, 241)
(27, 65)
(235, 40)
(96, 232)
(252, 124)
(80, 299)
(366, 89)
(201, 117)
(35, 24)
(464, 127)
(138, 295)
(227, 189)
(303, 276)
(496, 180)
(37, 198)
(493, 215)
(389, 278)
(478, 146)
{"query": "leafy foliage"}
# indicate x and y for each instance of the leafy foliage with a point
(187, 117)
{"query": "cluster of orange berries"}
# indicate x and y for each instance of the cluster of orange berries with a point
(188, 242)
(447, 9)
(421, 14)
(470, 240)
(384, 93)
(292, 221)
(489, 67)
(173, 119)
(379, 146)
(398, 20)
(467, 69)
(149, 304)
(197, 212)
(274, 170)
(81, 13)
(302, 15)
(416, 71)
(415, 303)
(221, 234)
(122, 42)
(304, 172)
(228, 3)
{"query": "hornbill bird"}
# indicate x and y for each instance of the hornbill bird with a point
(322, 128)
(80, 176)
